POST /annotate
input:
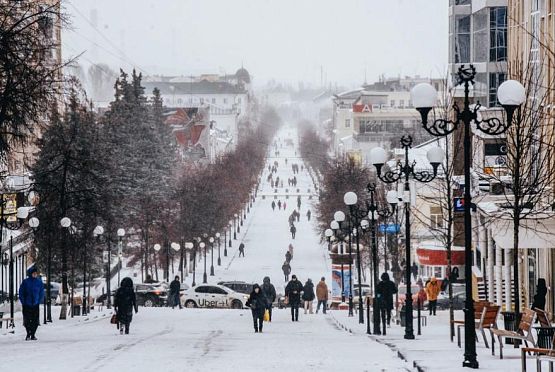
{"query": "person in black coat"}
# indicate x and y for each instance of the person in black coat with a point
(539, 297)
(293, 230)
(385, 291)
(286, 268)
(293, 293)
(124, 303)
(270, 292)
(173, 296)
(258, 303)
(308, 296)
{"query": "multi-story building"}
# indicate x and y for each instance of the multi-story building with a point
(227, 98)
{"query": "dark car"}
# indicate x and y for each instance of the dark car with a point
(458, 301)
(149, 295)
(54, 290)
(238, 286)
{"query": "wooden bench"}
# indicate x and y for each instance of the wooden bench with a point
(488, 320)
(541, 355)
(524, 332)
(478, 309)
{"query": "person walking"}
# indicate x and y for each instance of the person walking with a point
(31, 295)
(270, 292)
(299, 202)
(273, 205)
(293, 293)
(290, 250)
(308, 214)
(385, 291)
(539, 297)
(432, 291)
(242, 249)
(124, 304)
(257, 302)
(284, 205)
(322, 295)
(288, 257)
(279, 204)
(286, 268)
(308, 295)
(173, 296)
(293, 230)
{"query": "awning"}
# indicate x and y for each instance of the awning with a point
(533, 233)
(435, 254)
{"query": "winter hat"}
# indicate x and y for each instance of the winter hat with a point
(323, 279)
(293, 276)
(31, 270)
(266, 279)
(385, 276)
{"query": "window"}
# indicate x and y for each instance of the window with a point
(462, 39)
(216, 290)
(201, 100)
(347, 123)
(239, 100)
(392, 103)
(498, 34)
(480, 28)
(225, 101)
(179, 101)
(202, 289)
(401, 103)
(495, 79)
(213, 100)
(436, 218)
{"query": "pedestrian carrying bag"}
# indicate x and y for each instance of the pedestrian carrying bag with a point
(286, 300)
(266, 315)
(114, 319)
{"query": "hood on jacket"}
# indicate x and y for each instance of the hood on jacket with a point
(384, 277)
(31, 270)
(266, 280)
(127, 282)
(433, 279)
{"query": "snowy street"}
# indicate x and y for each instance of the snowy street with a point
(219, 340)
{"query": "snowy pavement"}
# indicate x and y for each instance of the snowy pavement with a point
(224, 340)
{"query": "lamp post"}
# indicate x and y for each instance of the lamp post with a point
(357, 215)
(34, 224)
(192, 245)
(176, 247)
(335, 227)
(218, 236)
(328, 234)
(157, 248)
(235, 226)
(406, 171)
(511, 94)
(211, 240)
(225, 249)
(204, 277)
(343, 234)
(121, 234)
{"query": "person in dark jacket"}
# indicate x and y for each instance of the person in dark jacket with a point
(124, 304)
(385, 290)
(308, 214)
(286, 268)
(31, 294)
(273, 205)
(270, 292)
(308, 296)
(539, 297)
(293, 293)
(288, 257)
(258, 304)
(293, 230)
(173, 296)
(242, 249)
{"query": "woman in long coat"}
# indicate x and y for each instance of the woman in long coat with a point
(124, 304)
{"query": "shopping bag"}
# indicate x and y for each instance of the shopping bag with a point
(286, 300)
(114, 319)
(266, 315)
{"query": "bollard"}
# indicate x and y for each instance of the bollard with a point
(368, 316)
(419, 305)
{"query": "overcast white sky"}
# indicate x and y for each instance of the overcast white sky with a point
(285, 40)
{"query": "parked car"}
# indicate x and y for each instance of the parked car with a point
(238, 286)
(402, 291)
(366, 292)
(458, 300)
(54, 290)
(211, 296)
(149, 295)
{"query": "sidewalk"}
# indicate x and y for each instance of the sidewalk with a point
(433, 350)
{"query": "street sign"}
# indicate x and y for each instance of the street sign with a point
(105, 256)
(458, 204)
(391, 228)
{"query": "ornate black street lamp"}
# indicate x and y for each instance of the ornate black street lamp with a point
(193, 246)
(219, 237)
(225, 249)
(343, 234)
(405, 171)
(211, 240)
(511, 94)
(235, 227)
(204, 276)
(177, 248)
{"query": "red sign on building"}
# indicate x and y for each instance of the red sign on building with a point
(362, 108)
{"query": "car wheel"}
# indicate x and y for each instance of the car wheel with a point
(236, 304)
(149, 302)
(190, 304)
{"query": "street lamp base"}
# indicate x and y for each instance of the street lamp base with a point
(471, 364)
(219, 261)
(234, 237)
(409, 336)
(225, 250)
(204, 278)
(211, 270)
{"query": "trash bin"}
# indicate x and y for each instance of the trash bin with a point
(511, 324)
(545, 336)
(76, 310)
(402, 314)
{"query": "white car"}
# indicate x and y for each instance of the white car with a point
(213, 296)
